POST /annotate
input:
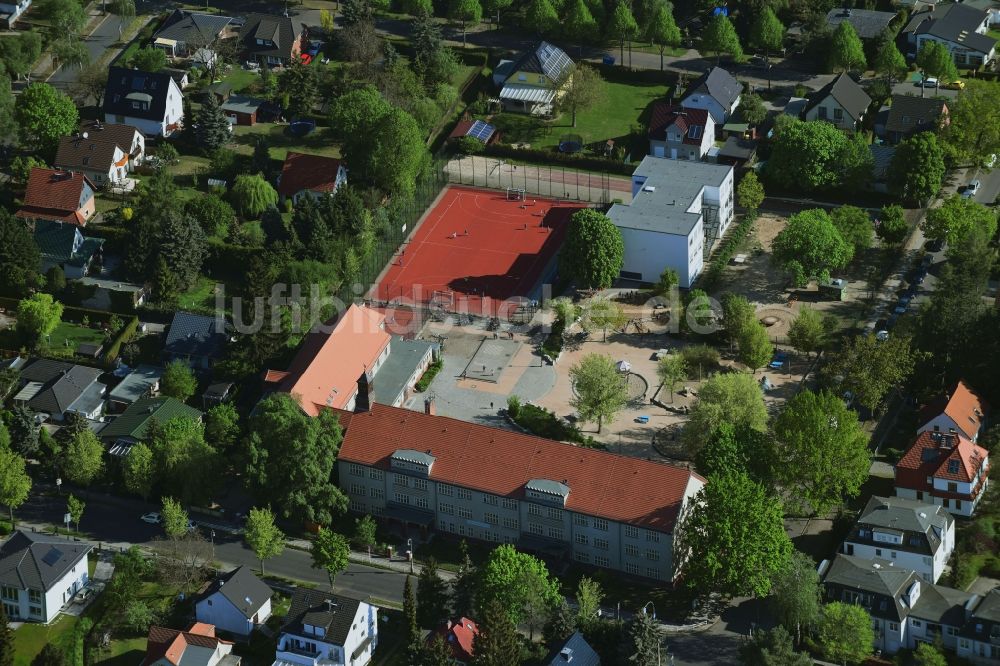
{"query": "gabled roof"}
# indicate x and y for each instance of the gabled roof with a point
(326, 369)
(718, 84)
(276, 29)
(666, 115)
(458, 636)
(957, 23)
(502, 462)
(194, 335)
(544, 58)
(877, 577)
(963, 406)
(93, 153)
(171, 645)
(126, 86)
(910, 114)
(192, 27)
(35, 561)
(136, 384)
(900, 515)
(333, 612)
(847, 93)
(302, 171)
(947, 456)
(54, 194)
(574, 650)
(242, 589)
(62, 384)
(134, 421)
(867, 23)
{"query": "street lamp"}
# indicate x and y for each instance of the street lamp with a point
(59, 485)
(409, 553)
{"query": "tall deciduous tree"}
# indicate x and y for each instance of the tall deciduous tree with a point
(725, 398)
(222, 427)
(84, 458)
(892, 227)
(175, 518)
(252, 195)
(588, 601)
(263, 536)
(855, 225)
(754, 348)
(753, 111)
(845, 633)
(720, 37)
(671, 370)
(579, 23)
(510, 580)
(330, 552)
(734, 537)
(934, 60)
(973, 131)
(958, 217)
(809, 332)
(796, 594)
(37, 317)
(846, 50)
(138, 472)
(75, 507)
(178, 381)
(599, 389)
(494, 7)
(291, 459)
(466, 12)
(888, 61)
(870, 367)
(662, 29)
(808, 156)
(15, 484)
(928, 654)
(624, 27)
(184, 461)
(593, 252)
(738, 449)
(580, 90)
(767, 33)
(917, 168)
(602, 314)
(300, 83)
(810, 246)
(750, 192)
(44, 115)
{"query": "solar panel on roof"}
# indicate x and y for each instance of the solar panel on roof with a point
(53, 556)
(480, 130)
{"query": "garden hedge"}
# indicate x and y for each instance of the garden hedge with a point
(123, 336)
(555, 158)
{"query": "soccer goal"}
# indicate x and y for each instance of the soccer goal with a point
(515, 194)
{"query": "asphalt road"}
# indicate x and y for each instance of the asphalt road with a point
(990, 189)
(101, 40)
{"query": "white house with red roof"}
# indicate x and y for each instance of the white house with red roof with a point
(477, 482)
(962, 411)
(310, 175)
(459, 636)
(944, 468)
(60, 196)
(198, 646)
(680, 133)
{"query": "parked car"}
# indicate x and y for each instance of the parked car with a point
(929, 82)
(153, 518)
(972, 189)
(935, 245)
(83, 595)
(957, 84)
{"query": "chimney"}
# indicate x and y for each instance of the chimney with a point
(566, 654)
(330, 606)
(429, 406)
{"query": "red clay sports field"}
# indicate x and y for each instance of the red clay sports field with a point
(476, 248)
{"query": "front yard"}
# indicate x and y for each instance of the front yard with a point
(31, 638)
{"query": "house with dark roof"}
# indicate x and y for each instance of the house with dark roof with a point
(979, 638)
(459, 635)
(62, 244)
(151, 102)
(960, 410)
(842, 102)
(103, 152)
(197, 646)
(593, 507)
(184, 32)
(40, 574)
(140, 383)
(326, 628)
(237, 602)
(59, 389)
(310, 175)
(945, 469)
(533, 82)
(869, 24)
(574, 650)
(198, 340)
(716, 91)
(960, 27)
(682, 133)
(242, 109)
(909, 533)
(909, 115)
(11, 10)
(130, 427)
(62, 196)
(271, 40)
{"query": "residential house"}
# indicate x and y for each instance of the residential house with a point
(40, 574)
(151, 102)
(61, 196)
(531, 83)
(477, 482)
(142, 382)
(237, 602)
(910, 534)
(842, 102)
(103, 152)
(961, 410)
(310, 175)
(717, 92)
(271, 40)
(198, 646)
(867, 23)
(909, 115)
(10, 12)
(574, 650)
(945, 469)
(979, 638)
(242, 109)
(183, 33)
(680, 133)
(459, 636)
(198, 340)
(113, 295)
(960, 27)
(679, 210)
(905, 609)
(131, 425)
(328, 629)
(59, 389)
(62, 244)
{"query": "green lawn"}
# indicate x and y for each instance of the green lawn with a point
(240, 78)
(200, 298)
(280, 141)
(73, 335)
(31, 638)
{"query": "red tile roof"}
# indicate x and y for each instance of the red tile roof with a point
(308, 172)
(54, 195)
(458, 636)
(169, 644)
(962, 405)
(501, 462)
(666, 114)
(930, 455)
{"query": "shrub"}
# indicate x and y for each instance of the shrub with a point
(429, 374)
(513, 406)
(700, 359)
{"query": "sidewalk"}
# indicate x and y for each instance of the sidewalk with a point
(396, 563)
